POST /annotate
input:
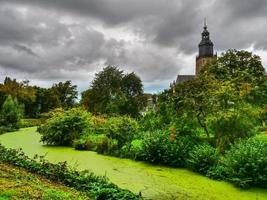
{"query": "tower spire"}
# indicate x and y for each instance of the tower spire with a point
(205, 48)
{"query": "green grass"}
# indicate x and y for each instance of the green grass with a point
(16, 183)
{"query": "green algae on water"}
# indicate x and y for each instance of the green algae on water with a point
(154, 182)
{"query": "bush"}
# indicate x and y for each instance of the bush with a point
(151, 122)
(99, 123)
(4, 129)
(84, 144)
(64, 128)
(231, 125)
(202, 158)
(11, 113)
(158, 147)
(107, 146)
(132, 150)
(217, 172)
(25, 123)
(122, 129)
(246, 163)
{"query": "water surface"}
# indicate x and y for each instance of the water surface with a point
(155, 182)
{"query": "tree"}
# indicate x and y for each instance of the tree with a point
(21, 91)
(66, 92)
(46, 100)
(132, 88)
(113, 92)
(11, 113)
(220, 99)
(239, 67)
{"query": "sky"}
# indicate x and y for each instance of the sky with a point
(47, 41)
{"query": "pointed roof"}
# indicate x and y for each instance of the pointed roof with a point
(206, 45)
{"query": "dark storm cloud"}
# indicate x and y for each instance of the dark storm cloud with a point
(25, 49)
(65, 39)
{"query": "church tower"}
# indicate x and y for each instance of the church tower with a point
(206, 54)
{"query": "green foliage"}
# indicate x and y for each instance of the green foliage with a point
(99, 123)
(238, 67)
(107, 146)
(257, 95)
(64, 128)
(17, 90)
(217, 172)
(132, 150)
(150, 121)
(94, 186)
(231, 125)
(25, 123)
(66, 92)
(202, 158)
(38, 100)
(113, 92)
(52, 194)
(158, 147)
(246, 163)
(222, 98)
(11, 114)
(92, 142)
(122, 129)
(46, 100)
(83, 144)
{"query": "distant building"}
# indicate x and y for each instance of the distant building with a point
(151, 103)
(205, 56)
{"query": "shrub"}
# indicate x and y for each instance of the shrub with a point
(84, 144)
(99, 123)
(122, 129)
(231, 125)
(150, 122)
(132, 150)
(107, 146)
(246, 163)
(5, 129)
(25, 123)
(11, 113)
(159, 148)
(217, 172)
(64, 128)
(202, 158)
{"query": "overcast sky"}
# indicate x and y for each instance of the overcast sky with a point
(47, 41)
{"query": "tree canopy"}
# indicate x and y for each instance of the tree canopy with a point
(222, 99)
(113, 92)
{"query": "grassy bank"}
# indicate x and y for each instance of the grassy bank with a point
(16, 183)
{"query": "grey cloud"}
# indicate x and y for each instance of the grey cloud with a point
(25, 49)
(49, 40)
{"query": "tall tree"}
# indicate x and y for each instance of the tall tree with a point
(66, 92)
(46, 100)
(220, 98)
(132, 88)
(113, 92)
(239, 67)
(19, 90)
(11, 112)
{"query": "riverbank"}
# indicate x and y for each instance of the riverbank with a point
(17, 183)
(155, 182)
